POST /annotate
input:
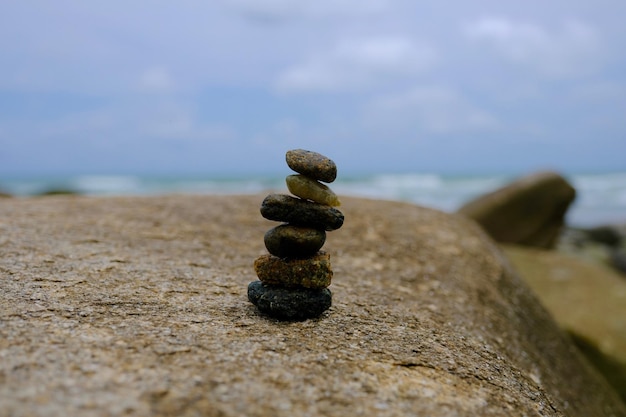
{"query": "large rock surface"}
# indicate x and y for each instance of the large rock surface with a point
(137, 306)
(528, 211)
(587, 299)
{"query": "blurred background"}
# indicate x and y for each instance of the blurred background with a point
(428, 102)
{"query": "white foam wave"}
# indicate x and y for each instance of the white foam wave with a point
(600, 198)
(106, 184)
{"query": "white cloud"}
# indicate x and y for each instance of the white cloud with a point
(357, 64)
(285, 132)
(118, 126)
(176, 121)
(271, 10)
(600, 92)
(157, 80)
(169, 120)
(439, 110)
(572, 50)
(79, 124)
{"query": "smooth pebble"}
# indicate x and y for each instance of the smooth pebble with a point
(296, 211)
(288, 241)
(312, 164)
(310, 189)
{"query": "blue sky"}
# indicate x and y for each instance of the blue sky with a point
(227, 86)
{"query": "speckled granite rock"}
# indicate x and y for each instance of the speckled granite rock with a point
(137, 306)
(313, 272)
(312, 164)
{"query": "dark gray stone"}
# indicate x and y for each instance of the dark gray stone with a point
(607, 235)
(312, 164)
(289, 304)
(288, 241)
(299, 212)
(618, 260)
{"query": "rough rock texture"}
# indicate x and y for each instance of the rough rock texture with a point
(313, 272)
(529, 211)
(137, 306)
(587, 299)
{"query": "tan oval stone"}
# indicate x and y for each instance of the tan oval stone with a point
(310, 189)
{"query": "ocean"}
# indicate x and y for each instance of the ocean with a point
(601, 198)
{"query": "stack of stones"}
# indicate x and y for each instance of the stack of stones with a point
(294, 276)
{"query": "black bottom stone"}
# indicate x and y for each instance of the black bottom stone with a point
(289, 303)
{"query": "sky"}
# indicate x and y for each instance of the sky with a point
(228, 86)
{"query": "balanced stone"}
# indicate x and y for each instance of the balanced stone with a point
(288, 241)
(313, 272)
(310, 189)
(289, 303)
(285, 208)
(312, 164)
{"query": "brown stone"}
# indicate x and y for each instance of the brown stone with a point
(529, 211)
(312, 164)
(313, 272)
(294, 241)
(135, 306)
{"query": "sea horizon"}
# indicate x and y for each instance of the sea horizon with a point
(601, 196)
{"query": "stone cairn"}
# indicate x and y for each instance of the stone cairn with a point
(294, 276)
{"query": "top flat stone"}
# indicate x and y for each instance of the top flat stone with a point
(312, 164)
